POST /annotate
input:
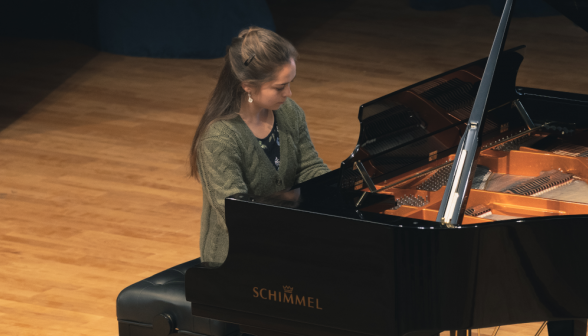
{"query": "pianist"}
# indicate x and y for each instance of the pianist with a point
(252, 137)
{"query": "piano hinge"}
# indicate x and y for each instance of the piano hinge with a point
(446, 223)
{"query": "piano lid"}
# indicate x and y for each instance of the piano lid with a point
(423, 123)
(452, 206)
(575, 10)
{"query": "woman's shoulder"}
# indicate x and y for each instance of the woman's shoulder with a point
(224, 129)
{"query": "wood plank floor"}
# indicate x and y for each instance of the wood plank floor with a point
(94, 187)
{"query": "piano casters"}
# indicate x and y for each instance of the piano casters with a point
(163, 325)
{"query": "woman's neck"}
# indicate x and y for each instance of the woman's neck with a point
(259, 120)
(253, 114)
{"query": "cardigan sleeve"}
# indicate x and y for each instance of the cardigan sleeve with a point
(220, 172)
(311, 165)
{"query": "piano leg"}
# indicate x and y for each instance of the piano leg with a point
(567, 328)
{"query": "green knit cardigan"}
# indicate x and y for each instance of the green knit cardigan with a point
(231, 161)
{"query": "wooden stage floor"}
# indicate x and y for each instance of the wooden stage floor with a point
(94, 187)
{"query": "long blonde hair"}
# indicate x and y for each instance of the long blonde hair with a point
(253, 58)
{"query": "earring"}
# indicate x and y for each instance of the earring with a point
(250, 100)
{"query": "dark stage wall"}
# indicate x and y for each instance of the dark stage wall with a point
(151, 28)
(522, 8)
(179, 28)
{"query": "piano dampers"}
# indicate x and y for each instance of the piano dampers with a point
(538, 185)
(570, 150)
(514, 144)
(478, 211)
(437, 180)
(411, 200)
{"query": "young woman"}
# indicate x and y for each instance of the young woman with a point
(252, 137)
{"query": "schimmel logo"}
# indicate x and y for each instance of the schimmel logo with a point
(286, 297)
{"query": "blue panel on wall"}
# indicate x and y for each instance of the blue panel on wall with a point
(176, 28)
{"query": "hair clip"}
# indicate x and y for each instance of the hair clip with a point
(248, 61)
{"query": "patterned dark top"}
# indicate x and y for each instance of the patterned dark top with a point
(271, 145)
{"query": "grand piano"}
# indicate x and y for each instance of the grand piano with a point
(464, 205)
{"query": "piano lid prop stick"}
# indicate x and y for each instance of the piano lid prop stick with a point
(456, 193)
